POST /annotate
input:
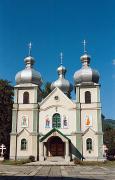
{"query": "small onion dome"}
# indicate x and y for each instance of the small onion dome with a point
(62, 83)
(28, 75)
(86, 74)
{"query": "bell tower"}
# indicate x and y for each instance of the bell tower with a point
(25, 113)
(88, 108)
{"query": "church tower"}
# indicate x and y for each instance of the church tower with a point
(62, 83)
(27, 94)
(89, 125)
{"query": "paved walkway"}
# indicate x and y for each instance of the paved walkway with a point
(51, 163)
(56, 172)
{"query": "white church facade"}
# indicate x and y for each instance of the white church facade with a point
(57, 126)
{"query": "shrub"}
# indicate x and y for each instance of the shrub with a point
(77, 161)
(32, 158)
(111, 158)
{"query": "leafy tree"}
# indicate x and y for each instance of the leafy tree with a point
(109, 134)
(6, 101)
(46, 90)
(109, 140)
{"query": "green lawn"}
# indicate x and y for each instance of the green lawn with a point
(17, 162)
(94, 163)
(82, 163)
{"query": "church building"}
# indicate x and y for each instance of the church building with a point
(57, 126)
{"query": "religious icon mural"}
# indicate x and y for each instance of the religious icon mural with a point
(47, 122)
(65, 122)
(88, 119)
(24, 122)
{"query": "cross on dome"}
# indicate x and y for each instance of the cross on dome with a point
(84, 44)
(30, 48)
(61, 58)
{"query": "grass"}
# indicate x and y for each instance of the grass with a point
(15, 162)
(105, 163)
(82, 163)
(95, 163)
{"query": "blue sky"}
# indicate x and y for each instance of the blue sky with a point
(60, 25)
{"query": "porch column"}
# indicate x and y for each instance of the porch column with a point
(67, 157)
(41, 152)
(45, 150)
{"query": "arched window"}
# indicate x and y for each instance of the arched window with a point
(26, 98)
(87, 97)
(56, 121)
(23, 144)
(89, 144)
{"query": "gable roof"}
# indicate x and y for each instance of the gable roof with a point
(24, 129)
(50, 132)
(88, 129)
(56, 89)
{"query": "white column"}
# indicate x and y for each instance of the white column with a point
(67, 157)
(41, 151)
(45, 151)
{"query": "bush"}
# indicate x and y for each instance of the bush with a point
(32, 158)
(15, 162)
(111, 158)
(77, 161)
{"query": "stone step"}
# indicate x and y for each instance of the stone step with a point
(56, 159)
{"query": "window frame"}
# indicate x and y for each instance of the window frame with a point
(87, 97)
(24, 145)
(89, 145)
(56, 120)
(26, 97)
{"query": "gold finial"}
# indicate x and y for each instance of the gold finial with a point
(84, 44)
(61, 58)
(30, 48)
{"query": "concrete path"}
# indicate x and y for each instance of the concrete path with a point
(8, 172)
(51, 163)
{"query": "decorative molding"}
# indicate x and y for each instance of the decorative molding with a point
(25, 121)
(57, 106)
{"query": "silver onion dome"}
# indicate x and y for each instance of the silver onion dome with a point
(29, 74)
(86, 74)
(62, 83)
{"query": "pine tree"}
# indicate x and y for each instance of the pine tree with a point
(46, 89)
(6, 102)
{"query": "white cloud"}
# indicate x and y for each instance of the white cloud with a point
(113, 61)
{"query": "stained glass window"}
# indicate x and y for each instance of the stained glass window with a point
(56, 121)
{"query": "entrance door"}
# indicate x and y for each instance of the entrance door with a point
(56, 146)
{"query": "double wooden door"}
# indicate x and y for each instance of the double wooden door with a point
(56, 147)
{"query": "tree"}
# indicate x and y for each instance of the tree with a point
(46, 89)
(6, 102)
(109, 140)
(109, 135)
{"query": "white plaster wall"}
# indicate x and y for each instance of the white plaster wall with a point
(94, 95)
(73, 139)
(64, 107)
(12, 146)
(22, 113)
(28, 152)
(94, 153)
(71, 119)
(31, 95)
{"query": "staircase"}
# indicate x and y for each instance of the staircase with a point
(55, 159)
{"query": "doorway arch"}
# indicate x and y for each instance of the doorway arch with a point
(55, 146)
